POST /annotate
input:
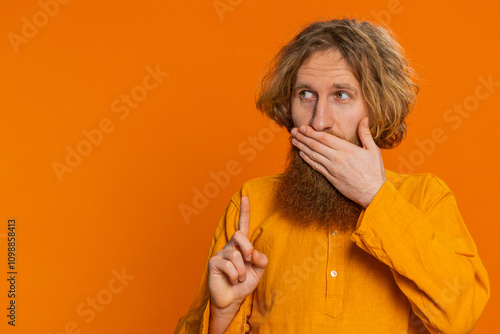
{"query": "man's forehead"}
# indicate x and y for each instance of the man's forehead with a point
(326, 62)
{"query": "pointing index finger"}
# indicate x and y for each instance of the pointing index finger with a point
(244, 221)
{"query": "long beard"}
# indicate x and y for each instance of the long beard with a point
(308, 200)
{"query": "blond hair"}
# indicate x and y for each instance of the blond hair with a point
(375, 59)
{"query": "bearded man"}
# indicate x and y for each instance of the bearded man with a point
(337, 243)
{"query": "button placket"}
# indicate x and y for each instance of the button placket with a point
(335, 277)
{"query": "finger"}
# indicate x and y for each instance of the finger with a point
(329, 140)
(236, 258)
(323, 159)
(365, 134)
(244, 221)
(240, 240)
(218, 264)
(310, 145)
(317, 166)
(260, 262)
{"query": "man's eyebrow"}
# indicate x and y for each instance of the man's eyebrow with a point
(336, 85)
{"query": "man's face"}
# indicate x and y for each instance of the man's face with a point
(328, 97)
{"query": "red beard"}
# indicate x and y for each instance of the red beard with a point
(308, 200)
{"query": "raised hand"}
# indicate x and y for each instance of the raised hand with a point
(235, 270)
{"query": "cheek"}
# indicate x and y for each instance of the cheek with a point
(347, 123)
(300, 114)
(355, 115)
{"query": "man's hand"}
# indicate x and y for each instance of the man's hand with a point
(357, 172)
(232, 275)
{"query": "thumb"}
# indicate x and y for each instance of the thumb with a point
(365, 135)
(259, 262)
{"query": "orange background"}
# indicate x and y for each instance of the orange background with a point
(119, 207)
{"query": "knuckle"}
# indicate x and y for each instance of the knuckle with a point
(212, 263)
(314, 155)
(228, 266)
(242, 238)
(235, 255)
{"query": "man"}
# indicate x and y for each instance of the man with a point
(337, 243)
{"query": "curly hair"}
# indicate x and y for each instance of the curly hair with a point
(375, 59)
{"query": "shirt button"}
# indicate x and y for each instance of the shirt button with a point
(334, 233)
(333, 273)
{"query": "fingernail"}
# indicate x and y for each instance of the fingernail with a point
(243, 277)
(249, 257)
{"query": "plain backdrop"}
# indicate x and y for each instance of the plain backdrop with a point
(117, 117)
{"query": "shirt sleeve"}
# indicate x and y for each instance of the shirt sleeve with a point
(432, 256)
(198, 316)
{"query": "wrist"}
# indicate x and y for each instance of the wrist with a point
(221, 318)
(369, 198)
(227, 311)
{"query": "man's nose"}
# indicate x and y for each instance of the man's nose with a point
(323, 115)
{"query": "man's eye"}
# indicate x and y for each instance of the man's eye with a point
(305, 92)
(342, 94)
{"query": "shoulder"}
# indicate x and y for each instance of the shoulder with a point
(260, 192)
(259, 189)
(421, 180)
(418, 188)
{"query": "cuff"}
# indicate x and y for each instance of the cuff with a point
(385, 211)
(385, 220)
(361, 225)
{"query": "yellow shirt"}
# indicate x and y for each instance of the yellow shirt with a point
(410, 266)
